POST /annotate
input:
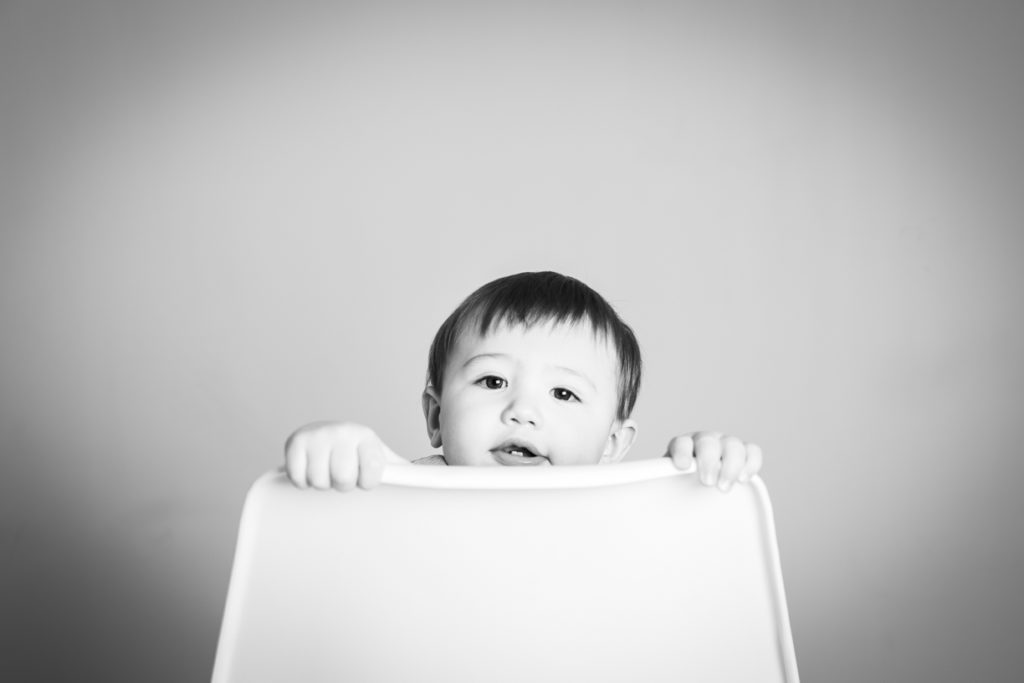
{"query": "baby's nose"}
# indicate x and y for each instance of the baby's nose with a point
(522, 412)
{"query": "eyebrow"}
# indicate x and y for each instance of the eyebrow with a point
(485, 355)
(562, 368)
(577, 373)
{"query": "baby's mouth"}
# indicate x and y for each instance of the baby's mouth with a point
(514, 455)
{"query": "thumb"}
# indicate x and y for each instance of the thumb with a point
(681, 450)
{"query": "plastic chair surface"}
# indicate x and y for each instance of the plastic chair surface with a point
(627, 572)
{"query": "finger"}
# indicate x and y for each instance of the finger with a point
(734, 456)
(755, 459)
(344, 467)
(371, 463)
(318, 472)
(707, 448)
(295, 462)
(680, 449)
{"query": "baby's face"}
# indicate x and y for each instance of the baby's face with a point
(546, 395)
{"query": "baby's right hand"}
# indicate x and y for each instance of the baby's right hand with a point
(338, 455)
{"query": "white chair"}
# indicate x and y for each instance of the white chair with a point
(628, 572)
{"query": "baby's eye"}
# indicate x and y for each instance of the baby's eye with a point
(492, 382)
(564, 394)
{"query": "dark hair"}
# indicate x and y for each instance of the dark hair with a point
(530, 298)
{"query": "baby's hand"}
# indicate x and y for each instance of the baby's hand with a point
(721, 460)
(336, 454)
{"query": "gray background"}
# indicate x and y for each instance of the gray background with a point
(221, 220)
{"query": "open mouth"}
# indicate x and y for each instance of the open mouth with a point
(517, 454)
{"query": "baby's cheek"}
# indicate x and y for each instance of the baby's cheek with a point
(581, 446)
(598, 445)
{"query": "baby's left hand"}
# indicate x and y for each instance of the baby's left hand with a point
(720, 460)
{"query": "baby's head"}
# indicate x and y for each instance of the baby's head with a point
(532, 369)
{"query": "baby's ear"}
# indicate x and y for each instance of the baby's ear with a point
(619, 441)
(432, 414)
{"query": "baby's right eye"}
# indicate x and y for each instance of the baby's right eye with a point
(492, 382)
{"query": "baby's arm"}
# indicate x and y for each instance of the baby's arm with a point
(338, 455)
(721, 460)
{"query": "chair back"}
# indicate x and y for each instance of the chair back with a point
(627, 572)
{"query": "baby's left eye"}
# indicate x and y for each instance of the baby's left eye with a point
(564, 394)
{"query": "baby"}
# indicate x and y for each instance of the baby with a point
(531, 369)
